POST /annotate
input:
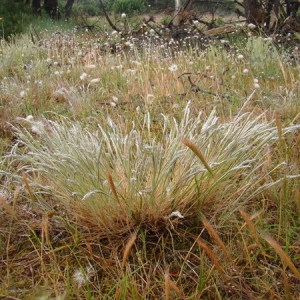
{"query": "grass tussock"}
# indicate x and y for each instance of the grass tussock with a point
(155, 170)
(138, 177)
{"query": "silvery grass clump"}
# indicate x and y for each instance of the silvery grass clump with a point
(114, 179)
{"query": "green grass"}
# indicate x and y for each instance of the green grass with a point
(149, 172)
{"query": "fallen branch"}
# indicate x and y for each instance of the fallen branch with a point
(194, 87)
(111, 24)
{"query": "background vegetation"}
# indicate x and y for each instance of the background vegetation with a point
(269, 16)
(14, 17)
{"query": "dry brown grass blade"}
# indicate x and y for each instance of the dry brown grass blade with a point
(118, 293)
(295, 119)
(113, 187)
(89, 248)
(297, 199)
(215, 236)
(210, 254)
(238, 192)
(287, 286)
(127, 249)
(170, 284)
(195, 149)
(174, 286)
(31, 194)
(284, 257)
(250, 224)
(253, 246)
(45, 230)
(167, 285)
(252, 217)
(279, 126)
(282, 68)
(7, 207)
(15, 197)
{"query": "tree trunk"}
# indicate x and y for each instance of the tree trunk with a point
(182, 11)
(269, 8)
(68, 7)
(254, 12)
(36, 6)
(51, 7)
(178, 8)
(188, 4)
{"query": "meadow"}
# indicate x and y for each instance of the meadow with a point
(147, 167)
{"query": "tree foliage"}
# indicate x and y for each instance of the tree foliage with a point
(15, 17)
(17, 14)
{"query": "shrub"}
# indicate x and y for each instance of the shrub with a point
(128, 6)
(16, 17)
(88, 7)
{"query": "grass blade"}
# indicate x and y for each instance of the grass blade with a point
(127, 249)
(250, 224)
(284, 257)
(195, 149)
(215, 236)
(209, 252)
(7, 207)
(113, 187)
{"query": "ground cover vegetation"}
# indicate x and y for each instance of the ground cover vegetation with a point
(139, 164)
